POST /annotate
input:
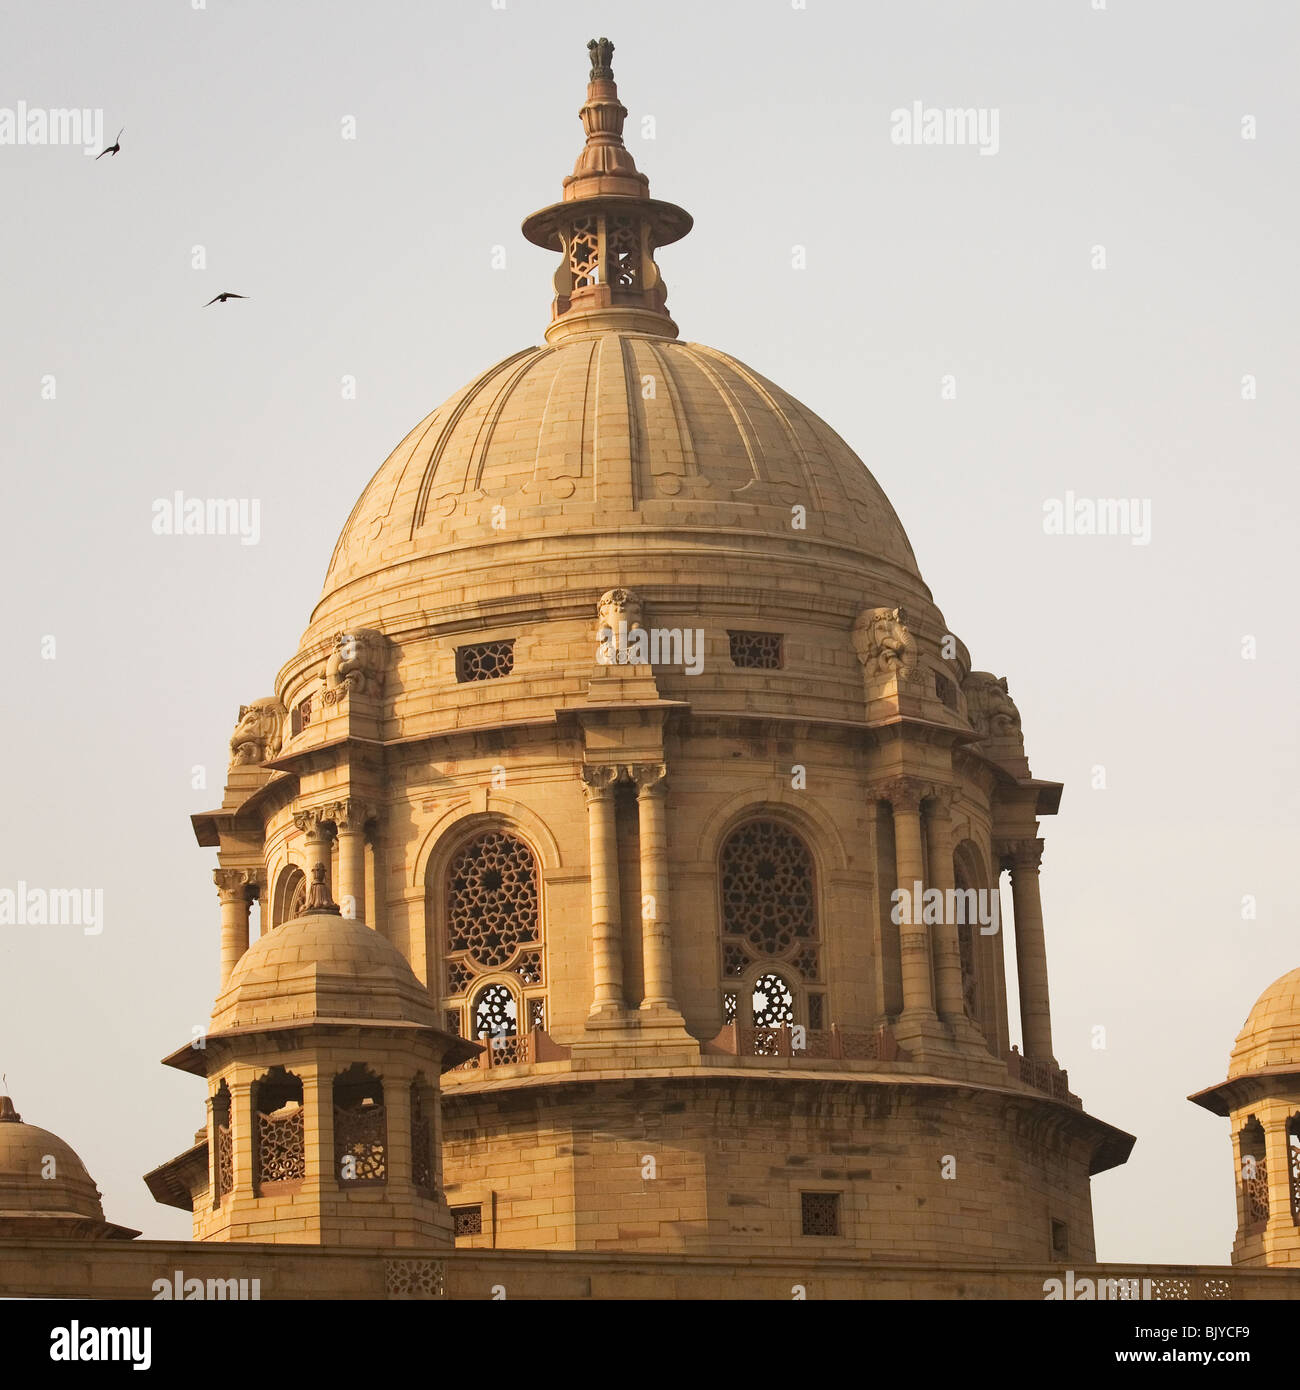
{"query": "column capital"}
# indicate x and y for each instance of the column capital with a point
(1020, 854)
(902, 793)
(349, 813)
(942, 799)
(313, 820)
(233, 884)
(650, 779)
(598, 780)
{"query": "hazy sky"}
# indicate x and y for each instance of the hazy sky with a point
(1119, 128)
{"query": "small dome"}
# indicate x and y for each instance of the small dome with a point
(321, 965)
(1271, 1035)
(44, 1186)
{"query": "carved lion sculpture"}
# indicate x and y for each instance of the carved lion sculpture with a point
(618, 612)
(358, 660)
(618, 606)
(257, 735)
(884, 645)
(989, 707)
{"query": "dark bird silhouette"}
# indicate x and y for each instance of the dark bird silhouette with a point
(114, 148)
(221, 298)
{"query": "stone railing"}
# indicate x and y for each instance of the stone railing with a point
(514, 1050)
(833, 1043)
(1042, 1076)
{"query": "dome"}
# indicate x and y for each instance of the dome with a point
(65, 1203)
(318, 966)
(612, 442)
(567, 439)
(1271, 1034)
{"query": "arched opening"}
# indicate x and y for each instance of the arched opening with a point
(492, 924)
(1254, 1176)
(290, 896)
(979, 939)
(495, 1012)
(223, 1147)
(423, 1139)
(279, 1139)
(360, 1127)
(768, 915)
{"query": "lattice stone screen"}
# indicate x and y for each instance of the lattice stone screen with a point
(281, 1151)
(756, 651)
(485, 662)
(492, 900)
(421, 1140)
(767, 888)
(821, 1213)
(361, 1143)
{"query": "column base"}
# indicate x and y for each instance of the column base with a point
(920, 1031)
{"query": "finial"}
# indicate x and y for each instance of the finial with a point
(602, 53)
(8, 1113)
(607, 227)
(318, 894)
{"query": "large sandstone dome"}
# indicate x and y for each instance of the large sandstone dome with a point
(1270, 1036)
(603, 433)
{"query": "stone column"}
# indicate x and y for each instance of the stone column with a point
(232, 891)
(947, 946)
(904, 795)
(350, 817)
(314, 824)
(1281, 1229)
(606, 922)
(656, 923)
(319, 1171)
(242, 1134)
(1024, 858)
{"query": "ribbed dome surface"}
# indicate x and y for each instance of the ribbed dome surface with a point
(607, 432)
(1271, 1035)
(321, 965)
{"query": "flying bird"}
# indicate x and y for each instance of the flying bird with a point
(113, 148)
(221, 298)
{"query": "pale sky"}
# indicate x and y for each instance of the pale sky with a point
(1119, 128)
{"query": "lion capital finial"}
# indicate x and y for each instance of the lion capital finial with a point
(602, 55)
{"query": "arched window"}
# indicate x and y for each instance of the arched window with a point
(495, 1013)
(772, 1000)
(290, 894)
(494, 958)
(279, 1142)
(767, 886)
(360, 1127)
(1254, 1176)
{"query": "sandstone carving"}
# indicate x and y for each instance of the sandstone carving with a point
(990, 709)
(257, 735)
(358, 660)
(884, 645)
